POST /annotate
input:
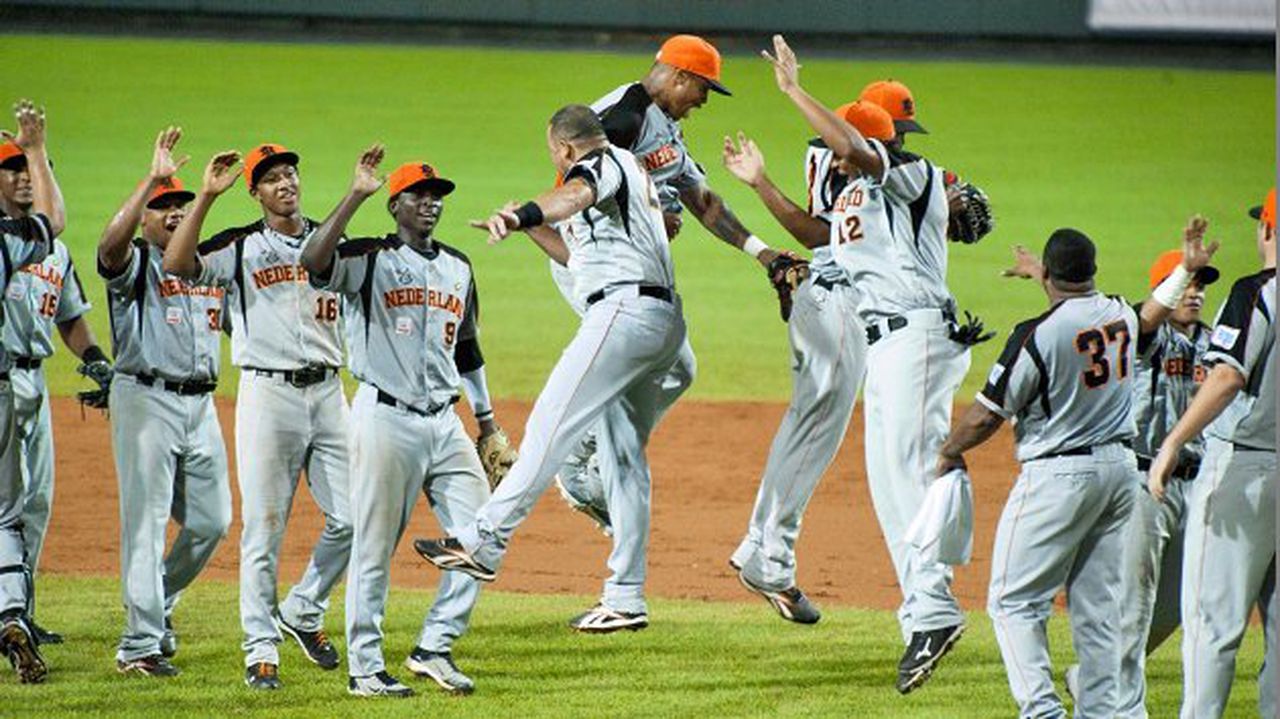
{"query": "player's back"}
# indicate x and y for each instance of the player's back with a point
(1244, 336)
(1068, 377)
(635, 123)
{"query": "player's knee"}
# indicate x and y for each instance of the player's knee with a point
(338, 529)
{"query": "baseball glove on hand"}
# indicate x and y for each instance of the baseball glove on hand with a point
(970, 213)
(99, 371)
(971, 332)
(786, 272)
(496, 456)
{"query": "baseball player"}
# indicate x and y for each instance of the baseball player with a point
(1066, 378)
(411, 306)
(291, 414)
(897, 260)
(644, 118)
(169, 454)
(40, 297)
(829, 348)
(1229, 548)
(631, 332)
(896, 99)
(22, 241)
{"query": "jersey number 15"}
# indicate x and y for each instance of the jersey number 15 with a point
(1094, 343)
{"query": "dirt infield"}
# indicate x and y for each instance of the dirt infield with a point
(706, 459)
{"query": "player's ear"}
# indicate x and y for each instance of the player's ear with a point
(393, 205)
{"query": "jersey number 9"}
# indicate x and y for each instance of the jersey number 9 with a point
(1094, 343)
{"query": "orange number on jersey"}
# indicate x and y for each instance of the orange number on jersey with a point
(855, 197)
(450, 333)
(851, 229)
(215, 318)
(1094, 342)
(49, 304)
(326, 309)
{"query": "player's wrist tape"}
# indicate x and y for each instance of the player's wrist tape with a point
(93, 354)
(1169, 292)
(529, 214)
(754, 246)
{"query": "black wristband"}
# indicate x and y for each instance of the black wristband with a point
(529, 214)
(93, 353)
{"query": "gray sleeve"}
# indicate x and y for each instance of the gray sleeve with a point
(1017, 377)
(217, 268)
(121, 283)
(28, 240)
(905, 176)
(345, 275)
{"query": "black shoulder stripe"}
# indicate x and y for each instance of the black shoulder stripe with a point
(1043, 385)
(454, 251)
(817, 142)
(226, 237)
(622, 198)
(360, 246)
(366, 295)
(624, 120)
(920, 206)
(900, 156)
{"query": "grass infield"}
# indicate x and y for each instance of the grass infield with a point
(1126, 154)
(696, 659)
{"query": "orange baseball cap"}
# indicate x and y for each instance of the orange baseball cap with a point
(896, 98)
(11, 156)
(869, 118)
(263, 158)
(1266, 212)
(170, 187)
(418, 173)
(1165, 264)
(693, 54)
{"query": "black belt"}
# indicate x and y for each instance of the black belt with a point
(896, 323)
(655, 291)
(189, 387)
(1187, 469)
(1073, 452)
(827, 284)
(387, 399)
(27, 362)
(304, 377)
(1237, 446)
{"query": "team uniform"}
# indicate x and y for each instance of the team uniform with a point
(291, 416)
(1168, 372)
(630, 335)
(22, 241)
(40, 296)
(1229, 554)
(829, 346)
(1066, 380)
(169, 454)
(410, 319)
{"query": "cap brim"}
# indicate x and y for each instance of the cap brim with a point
(266, 163)
(437, 186)
(1207, 275)
(904, 126)
(717, 87)
(17, 162)
(185, 195)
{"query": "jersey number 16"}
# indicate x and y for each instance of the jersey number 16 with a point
(1094, 343)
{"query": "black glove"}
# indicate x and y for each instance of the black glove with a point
(786, 272)
(970, 217)
(971, 332)
(100, 371)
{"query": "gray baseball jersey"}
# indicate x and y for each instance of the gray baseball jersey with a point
(823, 184)
(162, 325)
(620, 239)
(270, 299)
(1066, 377)
(39, 296)
(633, 122)
(397, 301)
(1243, 337)
(1169, 371)
(26, 240)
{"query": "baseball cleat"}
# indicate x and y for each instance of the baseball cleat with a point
(42, 635)
(20, 646)
(1072, 679)
(923, 654)
(152, 666)
(315, 645)
(262, 675)
(791, 604)
(439, 668)
(596, 514)
(169, 640)
(381, 684)
(603, 620)
(448, 554)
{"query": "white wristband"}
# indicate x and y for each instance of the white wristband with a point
(1169, 292)
(754, 246)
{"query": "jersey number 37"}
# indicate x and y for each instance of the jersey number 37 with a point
(1094, 343)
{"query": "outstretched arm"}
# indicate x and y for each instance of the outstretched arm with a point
(113, 246)
(1166, 297)
(554, 205)
(46, 195)
(711, 210)
(1217, 392)
(180, 255)
(320, 246)
(745, 162)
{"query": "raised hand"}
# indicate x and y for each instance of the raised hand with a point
(1025, 265)
(30, 119)
(786, 69)
(366, 180)
(163, 166)
(744, 160)
(1195, 254)
(221, 171)
(499, 225)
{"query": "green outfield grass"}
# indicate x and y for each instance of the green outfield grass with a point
(1127, 154)
(697, 659)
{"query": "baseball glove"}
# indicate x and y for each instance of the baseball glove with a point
(971, 332)
(496, 456)
(100, 372)
(786, 272)
(970, 213)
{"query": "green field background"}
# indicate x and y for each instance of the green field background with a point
(1125, 154)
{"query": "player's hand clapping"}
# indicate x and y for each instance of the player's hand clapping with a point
(163, 166)
(744, 161)
(30, 119)
(366, 181)
(1025, 265)
(1195, 254)
(500, 224)
(221, 171)
(786, 69)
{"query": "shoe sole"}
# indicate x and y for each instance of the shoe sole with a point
(419, 670)
(284, 627)
(616, 625)
(602, 523)
(781, 607)
(24, 656)
(922, 674)
(379, 695)
(260, 687)
(135, 669)
(451, 562)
